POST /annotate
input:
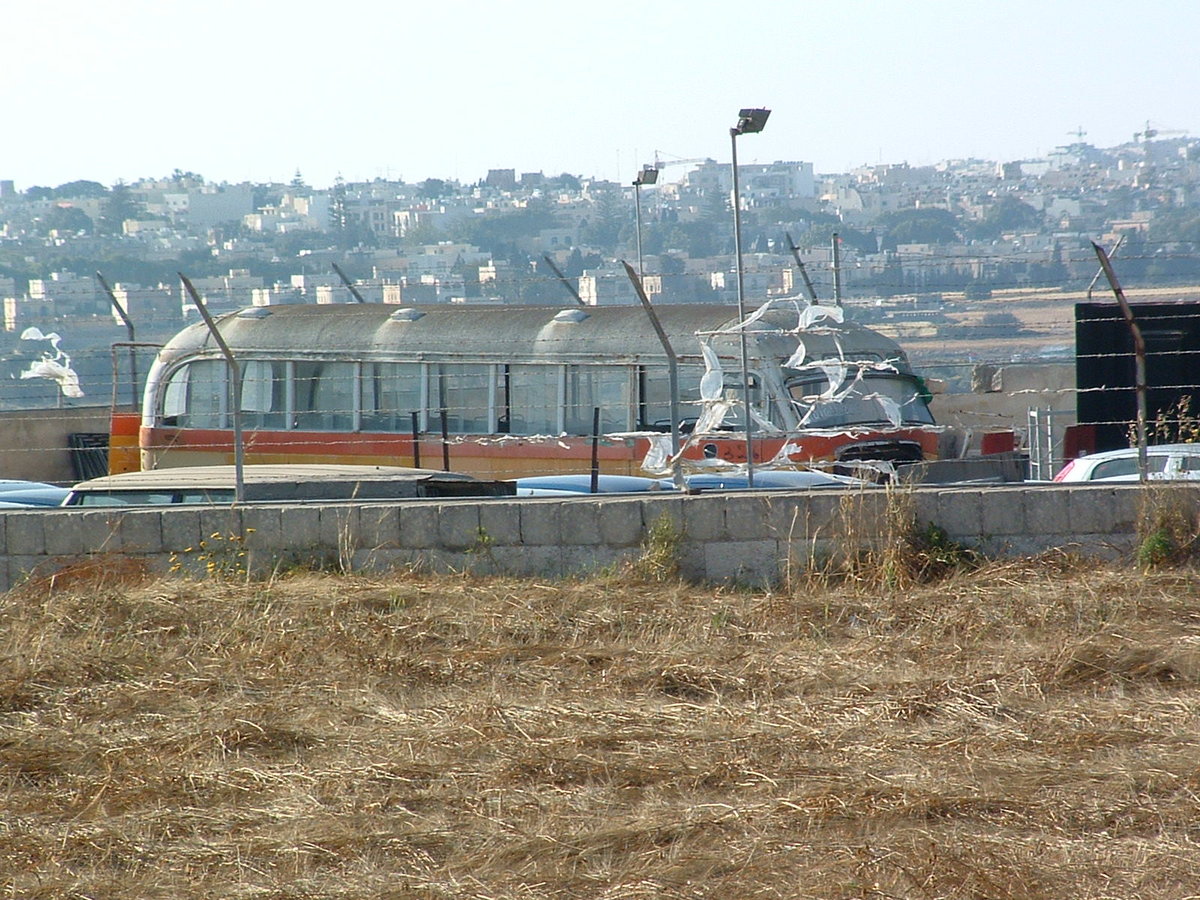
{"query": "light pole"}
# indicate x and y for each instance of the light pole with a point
(750, 121)
(648, 175)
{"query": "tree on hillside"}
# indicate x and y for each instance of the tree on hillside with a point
(918, 226)
(1008, 214)
(120, 205)
(66, 219)
(73, 189)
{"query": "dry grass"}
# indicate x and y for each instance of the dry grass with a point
(1023, 731)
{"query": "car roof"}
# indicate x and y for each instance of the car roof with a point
(217, 477)
(1156, 449)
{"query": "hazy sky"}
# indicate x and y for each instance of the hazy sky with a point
(238, 90)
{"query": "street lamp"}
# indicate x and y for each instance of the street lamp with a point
(750, 121)
(648, 175)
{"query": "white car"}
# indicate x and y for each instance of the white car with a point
(1164, 462)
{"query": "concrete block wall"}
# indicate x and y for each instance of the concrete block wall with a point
(748, 537)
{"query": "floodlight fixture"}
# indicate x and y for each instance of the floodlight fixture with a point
(751, 121)
(648, 175)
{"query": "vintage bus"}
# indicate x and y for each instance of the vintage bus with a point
(505, 391)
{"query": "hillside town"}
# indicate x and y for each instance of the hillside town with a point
(888, 241)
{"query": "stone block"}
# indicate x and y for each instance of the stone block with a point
(755, 563)
(1092, 509)
(26, 533)
(62, 534)
(704, 517)
(585, 560)
(580, 520)
(959, 511)
(301, 527)
(545, 560)
(748, 517)
(458, 526)
(339, 527)
(141, 531)
(541, 521)
(501, 522)
(418, 525)
(1047, 511)
(621, 523)
(180, 530)
(1003, 512)
(263, 524)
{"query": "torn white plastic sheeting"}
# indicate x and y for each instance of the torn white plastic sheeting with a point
(811, 315)
(68, 381)
(712, 382)
(891, 409)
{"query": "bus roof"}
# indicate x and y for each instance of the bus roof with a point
(521, 333)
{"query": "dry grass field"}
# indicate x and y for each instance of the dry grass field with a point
(1026, 730)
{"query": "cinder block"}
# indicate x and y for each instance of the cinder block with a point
(141, 531)
(588, 560)
(545, 560)
(99, 531)
(263, 524)
(1046, 511)
(339, 526)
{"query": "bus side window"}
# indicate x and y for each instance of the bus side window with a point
(263, 390)
(465, 392)
(391, 394)
(197, 395)
(533, 399)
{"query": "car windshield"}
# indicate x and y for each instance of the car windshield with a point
(869, 399)
(1127, 465)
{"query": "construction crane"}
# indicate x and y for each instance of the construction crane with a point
(660, 163)
(1079, 133)
(1155, 132)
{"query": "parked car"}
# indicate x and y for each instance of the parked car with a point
(25, 494)
(1164, 462)
(287, 483)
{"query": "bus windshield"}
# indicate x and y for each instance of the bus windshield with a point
(866, 399)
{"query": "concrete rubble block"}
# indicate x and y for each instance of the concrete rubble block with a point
(141, 531)
(541, 521)
(458, 526)
(418, 525)
(501, 522)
